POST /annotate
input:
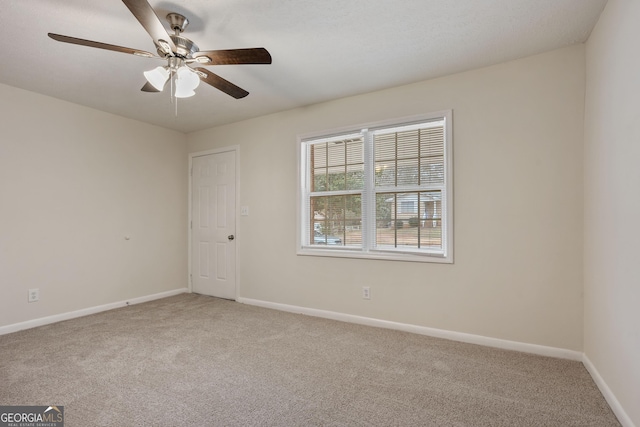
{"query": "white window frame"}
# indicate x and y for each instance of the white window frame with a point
(368, 250)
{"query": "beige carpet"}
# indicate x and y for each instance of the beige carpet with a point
(192, 360)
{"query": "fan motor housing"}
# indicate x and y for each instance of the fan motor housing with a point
(184, 47)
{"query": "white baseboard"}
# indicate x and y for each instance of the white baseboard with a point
(86, 311)
(423, 330)
(611, 399)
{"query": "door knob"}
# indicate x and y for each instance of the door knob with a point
(230, 237)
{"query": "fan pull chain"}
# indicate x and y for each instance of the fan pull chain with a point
(174, 100)
(173, 91)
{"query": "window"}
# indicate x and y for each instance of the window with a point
(382, 192)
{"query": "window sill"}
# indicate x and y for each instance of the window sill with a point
(388, 255)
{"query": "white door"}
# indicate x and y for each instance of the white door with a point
(213, 227)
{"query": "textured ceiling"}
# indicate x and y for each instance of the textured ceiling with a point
(322, 50)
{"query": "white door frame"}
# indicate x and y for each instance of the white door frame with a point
(236, 149)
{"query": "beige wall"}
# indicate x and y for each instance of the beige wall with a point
(612, 202)
(73, 182)
(518, 135)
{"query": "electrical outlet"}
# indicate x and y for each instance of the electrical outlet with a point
(366, 292)
(34, 295)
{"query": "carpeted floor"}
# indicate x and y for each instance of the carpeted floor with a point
(193, 360)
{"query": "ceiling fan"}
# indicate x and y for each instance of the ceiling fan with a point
(182, 55)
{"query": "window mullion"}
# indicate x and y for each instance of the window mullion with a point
(369, 194)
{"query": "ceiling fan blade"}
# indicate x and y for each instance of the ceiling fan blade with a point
(257, 55)
(143, 12)
(221, 84)
(83, 42)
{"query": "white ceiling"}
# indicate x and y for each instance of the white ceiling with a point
(322, 49)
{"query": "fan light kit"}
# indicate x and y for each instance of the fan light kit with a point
(186, 80)
(181, 55)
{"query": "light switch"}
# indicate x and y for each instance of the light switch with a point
(244, 210)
